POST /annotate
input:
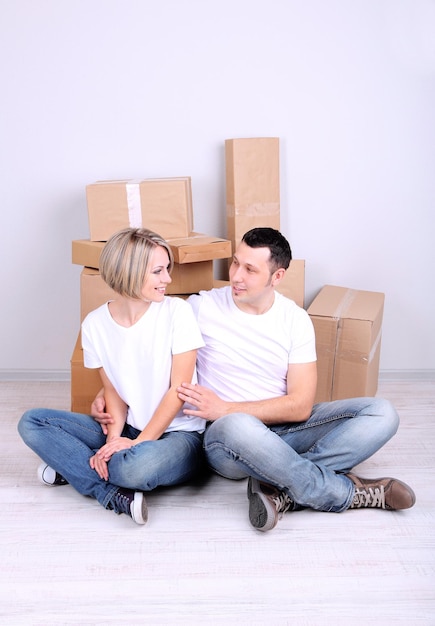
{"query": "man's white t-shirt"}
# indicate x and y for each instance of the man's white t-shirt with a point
(137, 360)
(246, 357)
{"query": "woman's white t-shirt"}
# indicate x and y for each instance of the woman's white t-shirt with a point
(138, 359)
(246, 357)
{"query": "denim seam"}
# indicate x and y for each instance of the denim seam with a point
(305, 425)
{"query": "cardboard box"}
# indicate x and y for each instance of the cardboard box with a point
(191, 278)
(252, 185)
(348, 326)
(186, 279)
(87, 253)
(85, 382)
(293, 284)
(163, 205)
(199, 247)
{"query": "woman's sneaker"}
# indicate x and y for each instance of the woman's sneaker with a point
(48, 476)
(131, 503)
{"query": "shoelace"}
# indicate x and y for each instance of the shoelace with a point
(369, 498)
(123, 502)
(282, 502)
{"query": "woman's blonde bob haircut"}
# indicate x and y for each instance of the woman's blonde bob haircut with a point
(125, 259)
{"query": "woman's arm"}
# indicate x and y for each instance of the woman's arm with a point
(183, 366)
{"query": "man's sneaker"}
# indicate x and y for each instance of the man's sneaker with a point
(381, 493)
(131, 503)
(48, 476)
(266, 503)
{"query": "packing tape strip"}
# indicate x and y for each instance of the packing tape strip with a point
(375, 346)
(258, 209)
(134, 205)
(349, 296)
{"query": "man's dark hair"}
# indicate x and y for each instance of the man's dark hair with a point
(280, 251)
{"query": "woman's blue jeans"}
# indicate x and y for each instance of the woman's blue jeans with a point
(307, 460)
(66, 441)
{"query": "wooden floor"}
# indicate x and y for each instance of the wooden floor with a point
(66, 560)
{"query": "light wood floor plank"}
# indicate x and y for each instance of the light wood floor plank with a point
(65, 560)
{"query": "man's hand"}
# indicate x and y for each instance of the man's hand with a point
(208, 405)
(98, 413)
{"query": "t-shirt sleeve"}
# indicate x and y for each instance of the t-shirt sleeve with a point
(194, 301)
(90, 357)
(186, 333)
(303, 343)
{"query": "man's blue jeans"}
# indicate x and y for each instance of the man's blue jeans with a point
(66, 441)
(307, 460)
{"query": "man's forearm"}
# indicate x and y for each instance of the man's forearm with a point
(273, 410)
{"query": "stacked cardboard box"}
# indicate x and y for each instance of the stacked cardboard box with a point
(252, 185)
(85, 382)
(347, 322)
(252, 170)
(162, 205)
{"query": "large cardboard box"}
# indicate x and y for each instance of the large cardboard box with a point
(85, 382)
(163, 205)
(197, 247)
(186, 279)
(348, 326)
(252, 185)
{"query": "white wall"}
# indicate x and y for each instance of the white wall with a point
(101, 89)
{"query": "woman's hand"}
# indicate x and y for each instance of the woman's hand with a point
(99, 466)
(115, 444)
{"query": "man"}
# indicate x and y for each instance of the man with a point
(257, 381)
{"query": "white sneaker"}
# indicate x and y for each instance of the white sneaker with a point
(48, 476)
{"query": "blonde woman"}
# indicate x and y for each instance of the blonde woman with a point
(144, 344)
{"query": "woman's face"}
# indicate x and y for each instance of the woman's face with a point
(158, 277)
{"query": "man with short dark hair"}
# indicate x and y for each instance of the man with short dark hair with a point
(257, 382)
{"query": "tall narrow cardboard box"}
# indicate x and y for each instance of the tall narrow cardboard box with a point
(252, 185)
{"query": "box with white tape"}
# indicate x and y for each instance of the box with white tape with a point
(163, 205)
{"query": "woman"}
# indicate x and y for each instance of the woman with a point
(144, 345)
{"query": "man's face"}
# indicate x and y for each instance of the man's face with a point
(250, 276)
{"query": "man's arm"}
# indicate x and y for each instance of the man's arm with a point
(295, 406)
(118, 411)
(98, 411)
